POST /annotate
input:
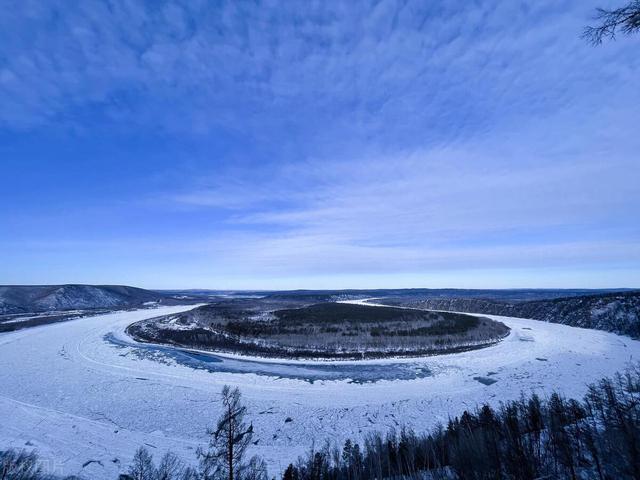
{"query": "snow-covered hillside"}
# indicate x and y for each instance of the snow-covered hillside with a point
(77, 392)
(617, 312)
(26, 298)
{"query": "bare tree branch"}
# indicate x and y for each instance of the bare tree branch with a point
(625, 19)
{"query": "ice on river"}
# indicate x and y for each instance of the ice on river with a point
(81, 391)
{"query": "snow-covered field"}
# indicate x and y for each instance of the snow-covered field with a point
(86, 402)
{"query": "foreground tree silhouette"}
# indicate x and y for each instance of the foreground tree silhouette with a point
(19, 465)
(170, 468)
(142, 467)
(228, 443)
(625, 19)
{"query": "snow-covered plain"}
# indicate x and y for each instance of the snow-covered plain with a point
(86, 402)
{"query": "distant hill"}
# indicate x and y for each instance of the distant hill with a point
(614, 311)
(617, 312)
(316, 296)
(503, 295)
(40, 298)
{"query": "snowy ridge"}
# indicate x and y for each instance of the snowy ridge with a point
(23, 298)
(613, 312)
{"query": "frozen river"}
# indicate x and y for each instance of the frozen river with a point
(82, 390)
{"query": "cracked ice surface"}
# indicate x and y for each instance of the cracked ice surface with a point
(86, 402)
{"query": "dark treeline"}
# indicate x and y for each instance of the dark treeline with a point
(331, 330)
(322, 313)
(617, 312)
(532, 438)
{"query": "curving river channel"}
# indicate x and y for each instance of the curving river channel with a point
(86, 396)
(353, 372)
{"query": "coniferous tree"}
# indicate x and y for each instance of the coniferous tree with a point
(142, 467)
(530, 438)
(291, 473)
(224, 460)
(19, 465)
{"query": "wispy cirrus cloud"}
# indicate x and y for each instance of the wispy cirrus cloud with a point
(263, 140)
(385, 69)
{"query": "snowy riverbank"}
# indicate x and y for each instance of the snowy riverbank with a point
(76, 396)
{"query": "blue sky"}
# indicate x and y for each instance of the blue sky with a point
(310, 144)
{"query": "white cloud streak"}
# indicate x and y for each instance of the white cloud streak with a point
(393, 137)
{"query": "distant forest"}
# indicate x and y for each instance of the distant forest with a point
(323, 330)
(617, 312)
